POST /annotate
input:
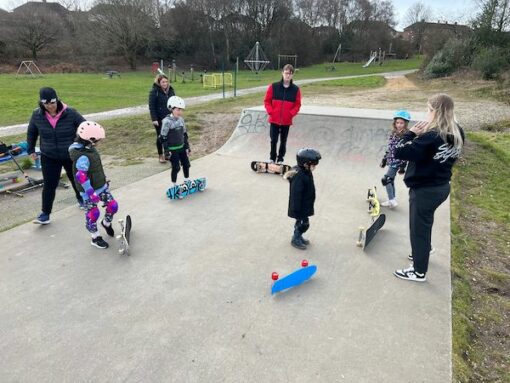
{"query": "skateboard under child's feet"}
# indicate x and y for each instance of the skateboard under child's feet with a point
(269, 167)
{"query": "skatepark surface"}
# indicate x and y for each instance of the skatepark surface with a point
(192, 303)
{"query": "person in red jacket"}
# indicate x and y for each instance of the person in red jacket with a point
(282, 102)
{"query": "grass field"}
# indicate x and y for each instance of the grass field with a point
(89, 92)
(481, 260)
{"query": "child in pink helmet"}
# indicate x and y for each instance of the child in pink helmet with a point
(91, 180)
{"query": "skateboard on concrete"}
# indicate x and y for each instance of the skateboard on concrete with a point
(125, 226)
(366, 236)
(186, 188)
(293, 279)
(373, 202)
(269, 167)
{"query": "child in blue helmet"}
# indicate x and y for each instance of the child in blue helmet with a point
(401, 120)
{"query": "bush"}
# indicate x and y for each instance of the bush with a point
(454, 55)
(491, 61)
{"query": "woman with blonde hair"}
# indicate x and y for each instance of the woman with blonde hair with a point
(160, 92)
(431, 148)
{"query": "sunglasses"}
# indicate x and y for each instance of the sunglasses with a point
(52, 101)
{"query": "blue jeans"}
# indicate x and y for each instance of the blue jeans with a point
(390, 187)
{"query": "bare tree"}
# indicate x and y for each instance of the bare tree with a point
(125, 24)
(417, 12)
(36, 30)
(495, 15)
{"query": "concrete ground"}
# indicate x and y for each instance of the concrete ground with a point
(192, 303)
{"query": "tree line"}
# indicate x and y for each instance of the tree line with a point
(207, 33)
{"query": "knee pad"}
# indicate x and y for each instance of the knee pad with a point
(93, 214)
(112, 207)
(386, 180)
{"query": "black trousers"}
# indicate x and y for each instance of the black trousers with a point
(276, 131)
(177, 158)
(158, 132)
(423, 202)
(51, 169)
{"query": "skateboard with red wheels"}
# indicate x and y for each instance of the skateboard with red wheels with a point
(294, 279)
(269, 167)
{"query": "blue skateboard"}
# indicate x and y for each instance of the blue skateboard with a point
(293, 279)
(186, 188)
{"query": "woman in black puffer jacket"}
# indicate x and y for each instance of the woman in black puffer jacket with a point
(158, 97)
(55, 124)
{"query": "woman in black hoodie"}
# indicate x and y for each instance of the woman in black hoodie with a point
(431, 147)
(55, 124)
(158, 97)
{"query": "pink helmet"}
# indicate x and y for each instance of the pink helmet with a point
(91, 131)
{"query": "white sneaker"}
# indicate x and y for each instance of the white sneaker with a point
(393, 202)
(271, 161)
(410, 275)
(386, 203)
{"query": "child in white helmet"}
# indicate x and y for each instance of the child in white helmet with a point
(174, 138)
(401, 120)
(91, 180)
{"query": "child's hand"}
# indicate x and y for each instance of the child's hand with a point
(383, 163)
(188, 151)
(419, 127)
(168, 155)
(155, 123)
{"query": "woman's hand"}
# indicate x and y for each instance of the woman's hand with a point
(419, 127)
(155, 123)
(33, 156)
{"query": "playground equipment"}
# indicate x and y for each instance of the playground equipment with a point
(216, 80)
(256, 59)
(30, 67)
(287, 59)
(335, 58)
(377, 55)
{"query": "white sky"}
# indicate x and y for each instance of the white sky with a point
(444, 10)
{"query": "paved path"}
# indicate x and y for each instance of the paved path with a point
(192, 303)
(144, 109)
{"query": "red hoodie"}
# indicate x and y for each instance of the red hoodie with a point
(281, 103)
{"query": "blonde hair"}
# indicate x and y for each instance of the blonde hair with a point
(159, 77)
(444, 121)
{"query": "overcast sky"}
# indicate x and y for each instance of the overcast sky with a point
(444, 10)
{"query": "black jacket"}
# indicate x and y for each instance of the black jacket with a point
(430, 158)
(157, 102)
(302, 193)
(54, 142)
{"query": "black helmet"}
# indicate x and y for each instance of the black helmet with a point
(308, 156)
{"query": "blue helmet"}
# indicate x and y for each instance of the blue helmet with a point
(403, 114)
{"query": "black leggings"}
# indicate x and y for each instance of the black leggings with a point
(158, 132)
(177, 158)
(51, 170)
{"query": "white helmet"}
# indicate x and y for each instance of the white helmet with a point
(175, 102)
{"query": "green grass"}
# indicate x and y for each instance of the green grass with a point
(360, 82)
(95, 92)
(480, 248)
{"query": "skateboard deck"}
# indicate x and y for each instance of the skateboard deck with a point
(124, 235)
(366, 236)
(186, 188)
(269, 167)
(373, 202)
(294, 279)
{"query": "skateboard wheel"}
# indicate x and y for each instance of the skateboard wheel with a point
(274, 276)
(304, 263)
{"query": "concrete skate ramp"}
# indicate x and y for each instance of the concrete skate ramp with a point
(193, 303)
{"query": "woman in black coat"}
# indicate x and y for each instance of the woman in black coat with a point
(55, 124)
(158, 97)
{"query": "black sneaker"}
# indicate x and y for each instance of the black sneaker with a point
(410, 275)
(298, 244)
(305, 241)
(99, 242)
(109, 229)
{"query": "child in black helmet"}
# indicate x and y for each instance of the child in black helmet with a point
(302, 194)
